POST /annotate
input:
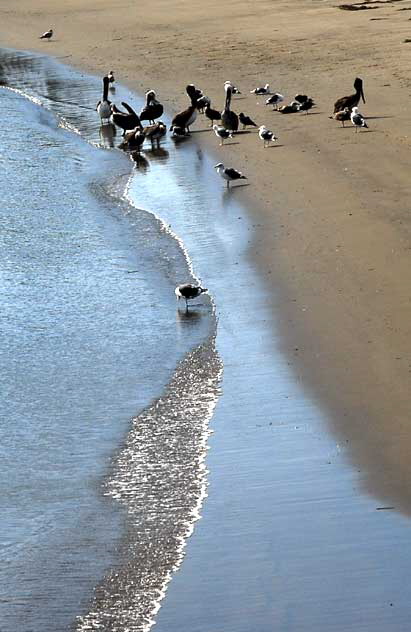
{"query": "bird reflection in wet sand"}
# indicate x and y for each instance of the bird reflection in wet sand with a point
(140, 161)
(188, 318)
(107, 135)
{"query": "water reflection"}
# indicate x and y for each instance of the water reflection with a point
(141, 163)
(107, 135)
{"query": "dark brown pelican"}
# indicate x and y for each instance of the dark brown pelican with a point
(125, 120)
(343, 115)
(152, 109)
(229, 119)
(103, 107)
(133, 140)
(155, 132)
(352, 100)
(187, 117)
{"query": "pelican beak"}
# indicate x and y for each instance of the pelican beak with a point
(362, 95)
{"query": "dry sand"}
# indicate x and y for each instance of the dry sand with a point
(332, 208)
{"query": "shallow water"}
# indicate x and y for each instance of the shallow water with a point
(90, 337)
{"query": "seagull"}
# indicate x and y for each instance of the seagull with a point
(275, 99)
(343, 115)
(228, 174)
(47, 35)
(245, 120)
(222, 133)
(265, 90)
(188, 292)
(357, 119)
(266, 135)
(294, 106)
(234, 89)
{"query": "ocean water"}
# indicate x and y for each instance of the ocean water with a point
(90, 338)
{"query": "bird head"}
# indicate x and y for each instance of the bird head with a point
(219, 166)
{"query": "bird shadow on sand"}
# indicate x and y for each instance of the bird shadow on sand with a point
(372, 118)
(158, 153)
(273, 146)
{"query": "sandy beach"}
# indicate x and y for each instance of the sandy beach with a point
(330, 207)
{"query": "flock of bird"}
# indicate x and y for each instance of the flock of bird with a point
(135, 133)
(224, 123)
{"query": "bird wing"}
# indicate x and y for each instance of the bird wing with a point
(232, 173)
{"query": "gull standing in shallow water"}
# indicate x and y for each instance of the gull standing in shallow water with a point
(266, 135)
(188, 292)
(228, 174)
(357, 119)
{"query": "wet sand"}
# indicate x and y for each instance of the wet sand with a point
(330, 207)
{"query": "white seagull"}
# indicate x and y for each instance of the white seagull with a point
(228, 174)
(357, 119)
(265, 90)
(222, 133)
(275, 99)
(234, 88)
(266, 135)
(47, 35)
(188, 292)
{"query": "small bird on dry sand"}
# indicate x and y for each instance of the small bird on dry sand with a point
(234, 88)
(245, 120)
(229, 174)
(47, 35)
(266, 135)
(261, 90)
(275, 99)
(188, 292)
(357, 119)
(343, 115)
(222, 133)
